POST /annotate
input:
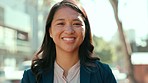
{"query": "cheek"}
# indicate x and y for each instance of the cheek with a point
(82, 35)
(55, 34)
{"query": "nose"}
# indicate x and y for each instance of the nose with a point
(69, 29)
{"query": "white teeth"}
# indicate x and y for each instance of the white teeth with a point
(68, 39)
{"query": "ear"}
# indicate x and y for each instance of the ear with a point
(50, 32)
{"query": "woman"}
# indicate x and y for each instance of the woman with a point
(66, 52)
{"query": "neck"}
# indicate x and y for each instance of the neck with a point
(67, 60)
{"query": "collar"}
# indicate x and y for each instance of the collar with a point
(85, 74)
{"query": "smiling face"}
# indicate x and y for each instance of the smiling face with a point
(67, 30)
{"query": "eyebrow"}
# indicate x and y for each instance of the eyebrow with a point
(61, 19)
(77, 20)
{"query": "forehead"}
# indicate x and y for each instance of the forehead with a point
(66, 11)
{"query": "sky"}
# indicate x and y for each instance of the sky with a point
(101, 17)
(132, 13)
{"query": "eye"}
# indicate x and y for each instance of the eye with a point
(77, 24)
(61, 23)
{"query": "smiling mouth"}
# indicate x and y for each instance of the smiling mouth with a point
(69, 39)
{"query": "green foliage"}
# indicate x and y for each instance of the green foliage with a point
(104, 50)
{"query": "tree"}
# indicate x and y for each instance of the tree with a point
(103, 49)
(126, 47)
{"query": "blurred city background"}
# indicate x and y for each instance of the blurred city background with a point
(120, 33)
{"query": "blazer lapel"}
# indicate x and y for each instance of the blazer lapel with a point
(84, 75)
(48, 77)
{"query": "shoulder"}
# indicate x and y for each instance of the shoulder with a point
(95, 66)
(28, 76)
(102, 66)
(105, 72)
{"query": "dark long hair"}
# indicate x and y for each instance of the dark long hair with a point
(48, 51)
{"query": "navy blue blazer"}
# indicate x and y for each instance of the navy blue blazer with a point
(101, 73)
